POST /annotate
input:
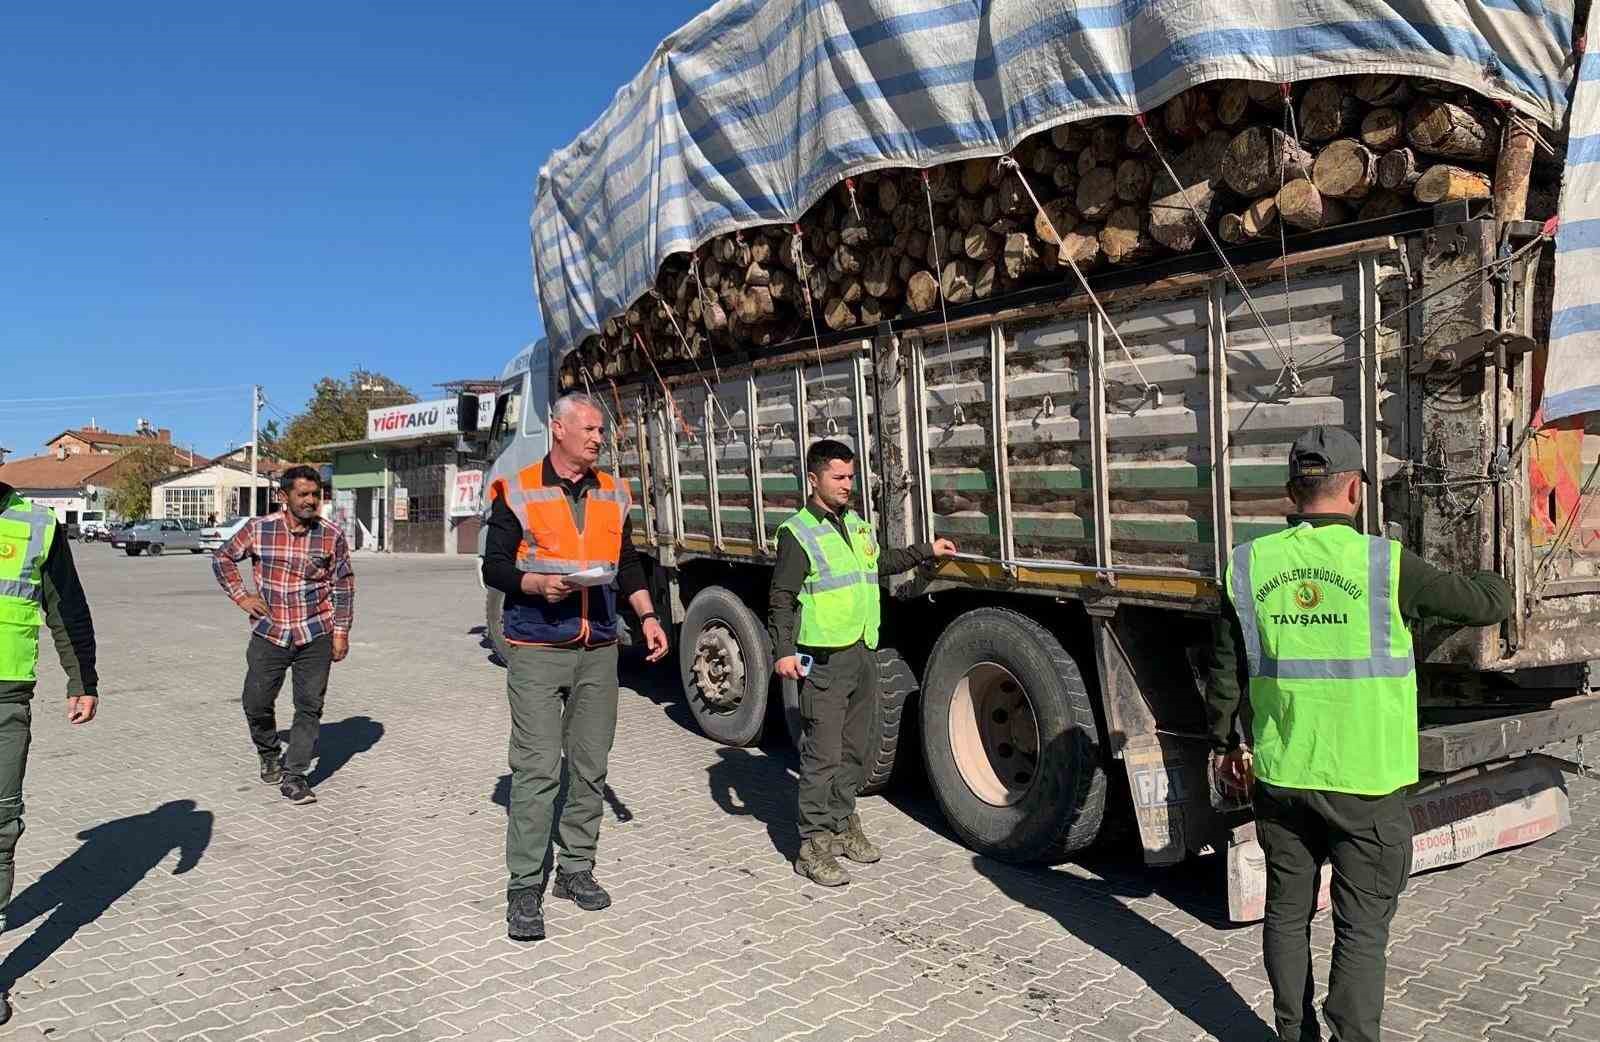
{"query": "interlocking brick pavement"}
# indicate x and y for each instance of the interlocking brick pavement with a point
(166, 894)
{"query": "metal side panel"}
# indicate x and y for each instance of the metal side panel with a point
(1454, 747)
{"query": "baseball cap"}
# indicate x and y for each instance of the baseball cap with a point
(1321, 451)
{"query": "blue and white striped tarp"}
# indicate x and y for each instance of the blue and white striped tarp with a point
(749, 113)
(1572, 370)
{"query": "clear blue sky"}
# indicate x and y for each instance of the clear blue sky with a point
(209, 195)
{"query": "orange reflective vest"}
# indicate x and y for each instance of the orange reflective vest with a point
(553, 544)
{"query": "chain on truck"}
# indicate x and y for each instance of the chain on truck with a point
(1097, 445)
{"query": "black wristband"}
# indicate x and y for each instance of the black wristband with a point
(647, 616)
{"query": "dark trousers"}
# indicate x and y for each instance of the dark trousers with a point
(1368, 838)
(836, 704)
(266, 664)
(563, 704)
(16, 719)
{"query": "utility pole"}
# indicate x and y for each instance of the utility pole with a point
(255, 437)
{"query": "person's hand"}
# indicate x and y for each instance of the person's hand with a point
(943, 548)
(1234, 770)
(341, 646)
(655, 638)
(788, 667)
(254, 606)
(553, 588)
(80, 708)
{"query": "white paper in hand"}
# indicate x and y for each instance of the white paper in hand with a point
(599, 575)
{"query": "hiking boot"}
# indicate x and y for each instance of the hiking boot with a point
(817, 863)
(271, 770)
(582, 889)
(525, 915)
(295, 790)
(854, 844)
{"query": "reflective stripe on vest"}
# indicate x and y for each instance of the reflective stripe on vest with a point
(1332, 680)
(26, 533)
(565, 550)
(839, 602)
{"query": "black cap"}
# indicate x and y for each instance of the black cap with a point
(1321, 451)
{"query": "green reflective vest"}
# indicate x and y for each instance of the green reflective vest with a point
(839, 601)
(25, 535)
(1333, 683)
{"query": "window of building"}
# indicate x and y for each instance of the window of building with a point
(196, 504)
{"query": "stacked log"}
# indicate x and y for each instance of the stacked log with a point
(1243, 161)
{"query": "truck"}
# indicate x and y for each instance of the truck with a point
(1097, 448)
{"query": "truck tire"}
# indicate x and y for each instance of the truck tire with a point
(896, 683)
(1010, 740)
(725, 661)
(494, 624)
(131, 550)
(154, 549)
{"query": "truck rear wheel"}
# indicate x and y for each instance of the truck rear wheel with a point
(1010, 740)
(494, 624)
(896, 683)
(725, 660)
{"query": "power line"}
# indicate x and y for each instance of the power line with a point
(180, 391)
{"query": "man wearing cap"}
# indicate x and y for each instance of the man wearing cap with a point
(1314, 628)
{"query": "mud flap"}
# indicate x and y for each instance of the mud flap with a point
(1167, 778)
(1455, 819)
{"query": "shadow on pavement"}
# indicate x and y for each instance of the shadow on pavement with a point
(482, 633)
(659, 682)
(762, 785)
(113, 859)
(340, 742)
(502, 798)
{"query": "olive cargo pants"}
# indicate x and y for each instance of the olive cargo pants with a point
(563, 701)
(16, 720)
(1368, 838)
(836, 706)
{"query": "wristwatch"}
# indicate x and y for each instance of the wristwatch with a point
(647, 616)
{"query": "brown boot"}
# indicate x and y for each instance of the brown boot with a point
(854, 844)
(817, 863)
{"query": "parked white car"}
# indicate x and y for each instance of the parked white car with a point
(212, 537)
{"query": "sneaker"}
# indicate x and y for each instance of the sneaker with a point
(854, 844)
(525, 915)
(295, 789)
(817, 863)
(5, 1007)
(271, 770)
(581, 888)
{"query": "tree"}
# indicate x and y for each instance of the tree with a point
(337, 411)
(129, 495)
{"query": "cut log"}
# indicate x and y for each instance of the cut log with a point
(1065, 175)
(980, 244)
(1397, 170)
(945, 184)
(975, 176)
(889, 194)
(757, 305)
(1512, 173)
(1300, 205)
(1085, 163)
(1044, 161)
(968, 211)
(1445, 184)
(1179, 210)
(1258, 159)
(1266, 95)
(872, 311)
(984, 283)
(990, 211)
(845, 261)
(1233, 103)
(1261, 216)
(1346, 169)
(1133, 180)
(851, 291)
(756, 275)
(1012, 196)
(1068, 137)
(1134, 139)
(1097, 193)
(1230, 229)
(1081, 246)
(1188, 116)
(817, 283)
(1124, 239)
(922, 291)
(1020, 257)
(878, 278)
(1384, 130)
(956, 282)
(1327, 111)
(1440, 128)
(837, 315)
(1388, 91)
(1381, 203)
(1105, 141)
(1056, 214)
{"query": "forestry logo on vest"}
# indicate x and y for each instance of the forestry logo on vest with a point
(1309, 577)
(1307, 596)
(7, 551)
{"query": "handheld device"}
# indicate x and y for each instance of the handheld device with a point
(805, 663)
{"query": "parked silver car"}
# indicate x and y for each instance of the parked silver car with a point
(155, 537)
(213, 536)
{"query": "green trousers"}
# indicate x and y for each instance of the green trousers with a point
(16, 720)
(836, 704)
(1368, 839)
(563, 703)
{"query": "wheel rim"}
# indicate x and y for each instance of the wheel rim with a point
(719, 667)
(994, 735)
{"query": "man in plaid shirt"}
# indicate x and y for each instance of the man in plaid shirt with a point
(302, 607)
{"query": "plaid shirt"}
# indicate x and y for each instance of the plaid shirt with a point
(305, 577)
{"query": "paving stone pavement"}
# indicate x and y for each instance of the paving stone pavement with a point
(165, 894)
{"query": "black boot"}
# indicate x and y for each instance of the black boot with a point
(271, 770)
(525, 915)
(581, 887)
